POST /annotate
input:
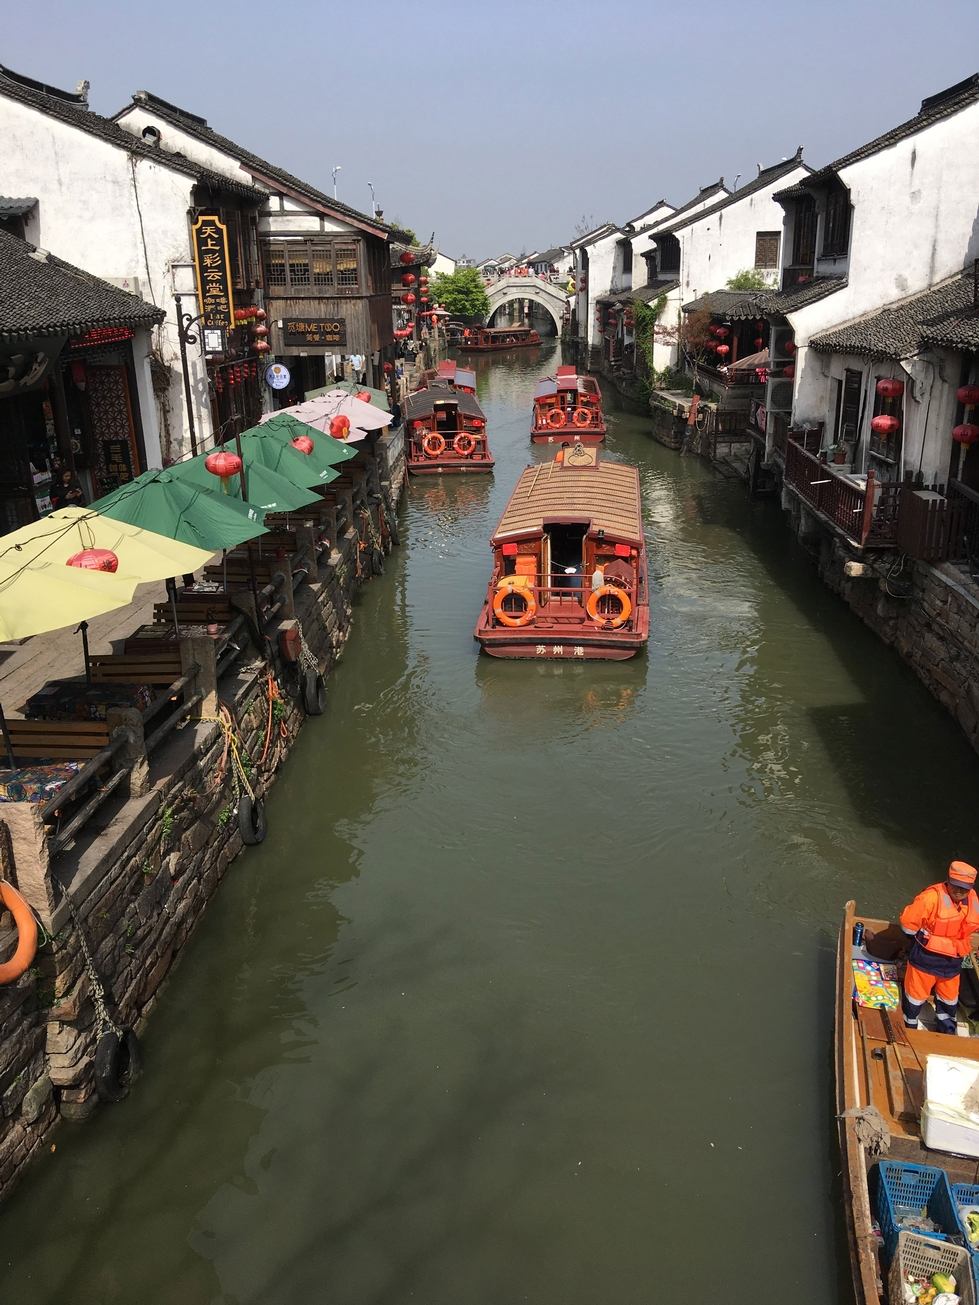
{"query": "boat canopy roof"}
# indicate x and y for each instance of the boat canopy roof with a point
(606, 497)
(449, 370)
(562, 384)
(507, 330)
(422, 402)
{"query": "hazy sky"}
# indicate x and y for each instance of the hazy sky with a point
(501, 124)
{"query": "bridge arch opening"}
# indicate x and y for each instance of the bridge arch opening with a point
(541, 315)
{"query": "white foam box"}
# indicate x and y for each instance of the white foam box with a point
(950, 1117)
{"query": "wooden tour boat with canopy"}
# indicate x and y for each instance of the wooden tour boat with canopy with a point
(569, 564)
(449, 373)
(905, 1203)
(484, 339)
(568, 407)
(445, 431)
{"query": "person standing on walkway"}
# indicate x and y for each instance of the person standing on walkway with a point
(940, 921)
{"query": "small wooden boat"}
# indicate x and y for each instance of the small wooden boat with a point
(880, 1063)
(568, 407)
(569, 564)
(445, 431)
(486, 339)
(458, 378)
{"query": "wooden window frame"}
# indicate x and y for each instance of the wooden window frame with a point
(307, 249)
(767, 236)
(804, 233)
(836, 223)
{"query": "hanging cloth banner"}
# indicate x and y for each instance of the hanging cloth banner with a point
(213, 268)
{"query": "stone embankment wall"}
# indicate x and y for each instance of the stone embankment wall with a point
(928, 614)
(140, 886)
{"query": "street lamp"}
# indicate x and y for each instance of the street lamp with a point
(186, 336)
(370, 186)
(338, 168)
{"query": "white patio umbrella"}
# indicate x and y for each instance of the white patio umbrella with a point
(319, 412)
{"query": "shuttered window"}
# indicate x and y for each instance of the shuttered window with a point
(836, 224)
(766, 248)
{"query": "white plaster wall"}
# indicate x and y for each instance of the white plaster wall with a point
(601, 256)
(721, 244)
(642, 241)
(443, 265)
(666, 333)
(138, 227)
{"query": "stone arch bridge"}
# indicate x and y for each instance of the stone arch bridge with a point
(553, 298)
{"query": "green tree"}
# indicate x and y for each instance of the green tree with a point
(749, 279)
(463, 293)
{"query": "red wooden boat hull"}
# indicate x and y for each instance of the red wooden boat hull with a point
(447, 465)
(558, 435)
(547, 641)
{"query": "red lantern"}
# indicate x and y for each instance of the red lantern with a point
(760, 342)
(423, 297)
(724, 350)
(890, 388)
(967, 433)
(884, 425)
(340, 427)
(407, 257)
(722, 332)
(408, 278)
(409, 298)
(260, 332)
(261, 346)
(303, 443)
(418, 425)
(789, 347)
(968, 395)
(94, 559)
(788, 372)
(261, 314)
(223, 464)
(388, 368)
(715, 330)
(363, 395)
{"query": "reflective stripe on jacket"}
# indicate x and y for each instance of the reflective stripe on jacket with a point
(949, 927)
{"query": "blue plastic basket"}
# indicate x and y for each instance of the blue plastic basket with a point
(906, 1189)
(965, 1195)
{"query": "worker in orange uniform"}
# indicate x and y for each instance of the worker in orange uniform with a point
(941, 922)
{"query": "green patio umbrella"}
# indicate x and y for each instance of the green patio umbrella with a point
(180, 509)
(326, 453)
(267, 490)
(378, 397)
(276, 454)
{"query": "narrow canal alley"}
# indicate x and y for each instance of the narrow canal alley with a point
(528, 995)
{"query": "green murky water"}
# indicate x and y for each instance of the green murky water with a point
(528, 995)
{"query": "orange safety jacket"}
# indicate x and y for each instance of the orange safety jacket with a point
(940, 926)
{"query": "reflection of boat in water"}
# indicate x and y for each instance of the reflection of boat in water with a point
(486, 339)
(568, 407)
(880, 1090)
(445, 431)
(569, 564)
(454, 499)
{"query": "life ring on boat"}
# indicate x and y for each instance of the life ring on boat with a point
(514, 586)
(582, 417)
(555, 418)
(464, 444)
(26, 948)
(117, 1064)
(433, 444)
(606, 619)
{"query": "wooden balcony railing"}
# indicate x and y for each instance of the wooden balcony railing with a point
(866, 516)
(939, 525)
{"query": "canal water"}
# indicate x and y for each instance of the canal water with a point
(527, 997)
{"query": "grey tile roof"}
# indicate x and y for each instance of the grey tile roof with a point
(71, 110)
(548, 256)
(645, 293)
(199, 128)
(41, 295)
(765, 178)
(591, 236)
(898, 329)
(665, 223)
(801, 296)
(933, 109)
(11, 207)
(737, 304)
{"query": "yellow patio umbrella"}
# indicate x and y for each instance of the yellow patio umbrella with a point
(103, 543)
(36, 597)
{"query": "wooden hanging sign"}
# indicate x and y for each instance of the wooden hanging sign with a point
(213, 268)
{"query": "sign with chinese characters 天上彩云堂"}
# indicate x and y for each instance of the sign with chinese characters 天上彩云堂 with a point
(308, 332)
(213, 268)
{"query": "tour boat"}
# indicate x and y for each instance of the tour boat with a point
(569, 564)
(483, 339)
(568, 407)
(881, 1063)
(445, 431)
(458, 378)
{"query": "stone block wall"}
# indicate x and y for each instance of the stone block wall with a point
(141, 885)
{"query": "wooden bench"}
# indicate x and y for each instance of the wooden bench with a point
(196, 609)
(55, 740)
(152, 668)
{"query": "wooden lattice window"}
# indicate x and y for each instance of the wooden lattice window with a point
(302, 267)
(346, 260)
(836, 225)
(767, 248)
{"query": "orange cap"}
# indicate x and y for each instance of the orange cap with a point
(962, 874)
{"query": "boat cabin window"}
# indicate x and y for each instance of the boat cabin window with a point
(447, 418)
(566, 546)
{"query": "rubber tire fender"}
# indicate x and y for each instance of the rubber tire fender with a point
(392, 520)
(117, 1065)
(377, 560)
(251, 820)
(312, 689)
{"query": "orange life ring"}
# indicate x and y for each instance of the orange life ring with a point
(555, 418)
(514, 586)
(26, 934)
(464, 444)
(603, 618)
(581, 417)
(433, 444)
